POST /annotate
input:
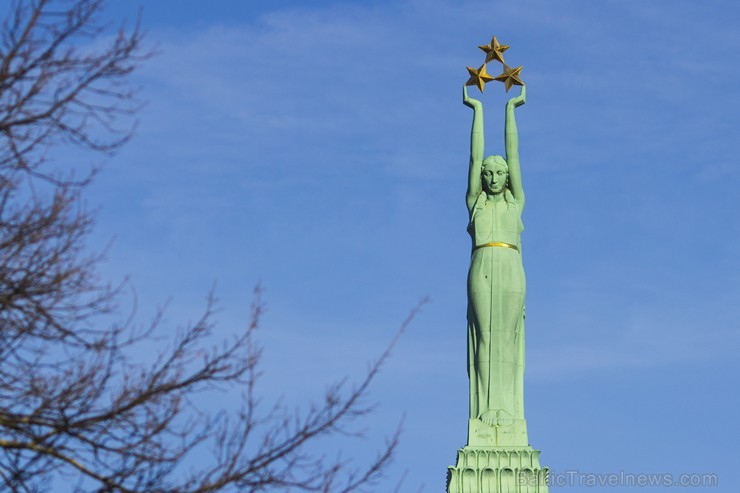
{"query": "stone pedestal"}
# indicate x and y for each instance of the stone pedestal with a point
(497, 470)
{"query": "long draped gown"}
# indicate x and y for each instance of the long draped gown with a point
(496, 289)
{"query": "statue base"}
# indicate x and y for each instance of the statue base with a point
(511, 432)
(497, 470)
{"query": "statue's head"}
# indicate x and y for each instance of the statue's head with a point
(495, 174)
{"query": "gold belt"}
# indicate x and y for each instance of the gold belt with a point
(498, 244)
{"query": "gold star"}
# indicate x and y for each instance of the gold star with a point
(478, 77)
(494, 50)
(510, 77)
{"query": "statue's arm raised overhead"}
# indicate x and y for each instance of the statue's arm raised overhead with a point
(511, 144)
(476, 150)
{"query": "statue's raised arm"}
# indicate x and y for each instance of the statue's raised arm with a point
(511, 144)
(476, 150)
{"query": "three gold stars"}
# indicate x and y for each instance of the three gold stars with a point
(494, 51)
(478, 77)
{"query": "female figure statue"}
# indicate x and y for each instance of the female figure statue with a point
(496, 287)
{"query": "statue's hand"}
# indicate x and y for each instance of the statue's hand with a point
(468, 101)
(519, 100)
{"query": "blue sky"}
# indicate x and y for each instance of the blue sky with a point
(320, 148)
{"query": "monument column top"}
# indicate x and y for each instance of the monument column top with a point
(497, 456)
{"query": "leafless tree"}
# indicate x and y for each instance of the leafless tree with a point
(79, 410)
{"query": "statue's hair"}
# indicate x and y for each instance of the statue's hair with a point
(491, 161)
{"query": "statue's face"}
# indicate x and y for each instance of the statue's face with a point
(494, 178)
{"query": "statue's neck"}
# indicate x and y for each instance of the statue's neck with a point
(495, 197)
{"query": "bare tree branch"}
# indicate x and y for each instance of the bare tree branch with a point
(77, 403)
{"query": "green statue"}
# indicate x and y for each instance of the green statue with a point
(496, 287)
(497, 457)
